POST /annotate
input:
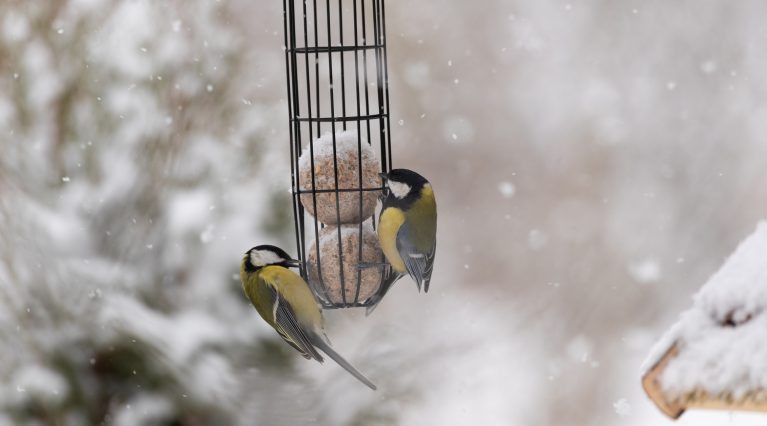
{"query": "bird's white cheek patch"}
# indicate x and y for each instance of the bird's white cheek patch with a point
(399, 189)
(263, 257)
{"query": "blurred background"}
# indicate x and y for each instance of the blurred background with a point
(594, 162)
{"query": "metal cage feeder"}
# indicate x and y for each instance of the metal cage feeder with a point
(337, 86)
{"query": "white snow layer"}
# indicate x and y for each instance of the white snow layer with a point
(722, 339)
(346, 141)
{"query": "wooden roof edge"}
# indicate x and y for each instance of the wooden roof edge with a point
(674, 408)
(653, 389)
(713, 403)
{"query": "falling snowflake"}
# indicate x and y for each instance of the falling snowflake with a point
(507, 189)
(622, 407)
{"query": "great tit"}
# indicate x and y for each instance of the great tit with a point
(284, 301)
(407, 229)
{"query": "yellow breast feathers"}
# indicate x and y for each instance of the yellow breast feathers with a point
(388, 228)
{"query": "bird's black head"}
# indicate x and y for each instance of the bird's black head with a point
(404, 186)
(266, 255)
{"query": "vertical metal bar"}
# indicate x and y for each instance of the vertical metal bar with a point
(296, 112)
(367, 83)
(335, 159)
(365, 67)
(311, 142)
(293, 173)
(359, 151)
(386, 83)
(297, 130)
(343, 80)
(383, 121)
(319, 133)
(380, 82)
(317, 69)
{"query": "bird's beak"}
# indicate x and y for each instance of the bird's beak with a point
(384, 176)
(293, 263)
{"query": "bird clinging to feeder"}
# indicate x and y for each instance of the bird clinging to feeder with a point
(284, 301)
(407, 229)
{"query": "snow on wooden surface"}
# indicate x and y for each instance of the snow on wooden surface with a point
(722, 339)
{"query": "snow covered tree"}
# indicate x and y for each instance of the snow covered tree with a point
(132, 147)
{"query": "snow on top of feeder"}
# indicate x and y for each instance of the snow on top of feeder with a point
(347, 144)
(722, 339)
(354, 170)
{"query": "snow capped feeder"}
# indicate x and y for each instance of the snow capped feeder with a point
(714, 357)
(338, 99)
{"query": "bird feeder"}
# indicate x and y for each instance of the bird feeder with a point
(338, 102)
(713, 358)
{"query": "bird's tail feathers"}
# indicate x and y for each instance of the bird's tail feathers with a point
(324, 347)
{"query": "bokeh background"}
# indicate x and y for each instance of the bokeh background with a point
(594, 162)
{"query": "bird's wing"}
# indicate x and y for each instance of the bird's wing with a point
(289, 328)
(419, 263)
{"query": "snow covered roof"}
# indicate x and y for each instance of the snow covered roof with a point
(715, 356)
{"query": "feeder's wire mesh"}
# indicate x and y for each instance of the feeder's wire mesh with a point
(324, 41)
